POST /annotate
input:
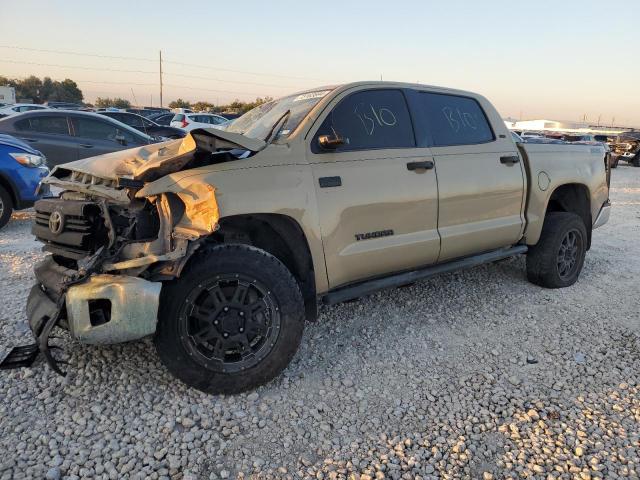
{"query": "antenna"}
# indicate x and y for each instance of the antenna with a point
(134, 97)
(161, 79)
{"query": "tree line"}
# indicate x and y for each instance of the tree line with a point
(200, 106)
(38, 90)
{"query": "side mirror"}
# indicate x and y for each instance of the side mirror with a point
(120, 139)
(331, 142)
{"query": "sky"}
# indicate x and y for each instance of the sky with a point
(560, 60)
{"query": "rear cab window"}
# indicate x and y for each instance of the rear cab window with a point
(369, 120)
(54, 124)
(450, 120)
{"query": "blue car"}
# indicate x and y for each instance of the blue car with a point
(21, 169)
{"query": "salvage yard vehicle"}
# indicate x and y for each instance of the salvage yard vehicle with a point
(145, 125)
(63, 135)
(19, 108)
(21, 169)
(191, 121)
(220, 244)
(627, 147)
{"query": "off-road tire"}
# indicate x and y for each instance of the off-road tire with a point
(543, 258)
(6, 207)
(225, 260)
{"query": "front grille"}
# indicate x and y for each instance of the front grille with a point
(76, 229)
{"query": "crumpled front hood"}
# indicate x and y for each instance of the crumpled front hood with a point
(154, 161)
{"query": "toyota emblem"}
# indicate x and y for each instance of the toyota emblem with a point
(56, 222)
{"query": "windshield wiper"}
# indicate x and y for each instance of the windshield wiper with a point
(273, 133)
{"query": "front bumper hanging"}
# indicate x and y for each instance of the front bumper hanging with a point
(50, 315)
(97, 309)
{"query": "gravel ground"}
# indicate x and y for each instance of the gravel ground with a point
(476, 374)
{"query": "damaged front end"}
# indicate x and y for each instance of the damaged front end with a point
(111, 247)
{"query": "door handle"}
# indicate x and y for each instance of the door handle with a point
(30, 140)
(509, 159)
(426, 165)
(328, 182)
(86, 145)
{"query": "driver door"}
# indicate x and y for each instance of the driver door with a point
(377, 193)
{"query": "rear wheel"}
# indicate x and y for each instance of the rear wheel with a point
(232, 321)
(557, 259)
(6, 207)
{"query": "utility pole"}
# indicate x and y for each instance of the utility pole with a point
(161, 79)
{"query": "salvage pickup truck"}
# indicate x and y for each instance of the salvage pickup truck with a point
(220, 244)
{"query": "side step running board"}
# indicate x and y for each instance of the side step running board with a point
(367, 287)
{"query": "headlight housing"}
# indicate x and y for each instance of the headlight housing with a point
(29, 159)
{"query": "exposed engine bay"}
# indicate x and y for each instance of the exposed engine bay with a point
(111, 246)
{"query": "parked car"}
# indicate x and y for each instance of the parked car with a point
(145, 125)
(230, 116)
(147, 112)
(627, 147)
(574, 138)
(220, 246)
(525, 135)
(546, 140)
(66, 106)
(189, 121)
(21, 169)
(63, 135)
(162, 118)
(19, 108)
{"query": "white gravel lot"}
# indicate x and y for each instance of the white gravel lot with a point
(476, 374)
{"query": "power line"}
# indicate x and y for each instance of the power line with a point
(12, 47)
(246, 72)
(75, 67)
(146, 72)
(212, 90)
(100, 82)
(118, 83)
(227, 81)
(207, 67)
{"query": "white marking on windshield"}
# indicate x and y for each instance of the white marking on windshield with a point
(311, 95)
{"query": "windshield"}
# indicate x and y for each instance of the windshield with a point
(258, 122)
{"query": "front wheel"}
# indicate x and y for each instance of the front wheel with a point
(231, 322)
(6, 207)
(557, 259)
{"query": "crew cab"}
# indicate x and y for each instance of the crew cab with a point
(220, 244)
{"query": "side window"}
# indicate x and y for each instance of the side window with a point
(44, 124)
(368, 120)
(97, 130)
(132, 121)
(178, 118)
(454, 120)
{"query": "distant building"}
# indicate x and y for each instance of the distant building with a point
(7, 95)
(562, 126)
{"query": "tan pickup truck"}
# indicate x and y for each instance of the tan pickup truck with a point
(219, 245)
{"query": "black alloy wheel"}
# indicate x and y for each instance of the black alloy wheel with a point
(230, 323)
(570, 247)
